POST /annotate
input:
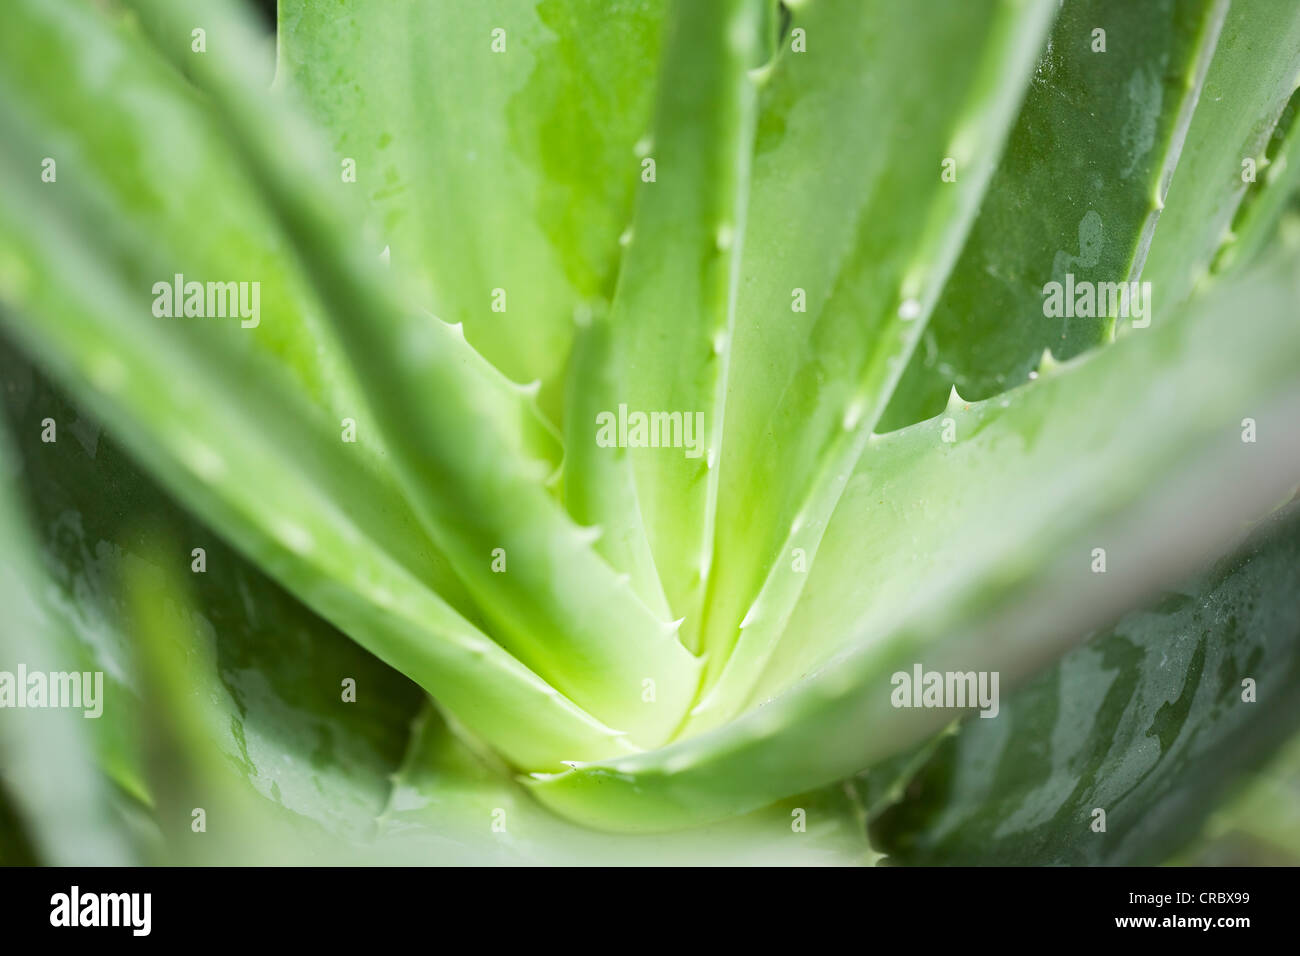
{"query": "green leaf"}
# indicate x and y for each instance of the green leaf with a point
(850, 126)
(1148, 721)
(599, 488)
(1267, 198)
(486, 170)
(998, 529)
(673, 309)
(1078, 191)
(994, 482)
(1255, 71)
(557, 603)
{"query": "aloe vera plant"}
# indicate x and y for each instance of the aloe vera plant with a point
(563, 431)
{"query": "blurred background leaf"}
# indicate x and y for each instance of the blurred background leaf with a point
(279, 668)
(1146, 721)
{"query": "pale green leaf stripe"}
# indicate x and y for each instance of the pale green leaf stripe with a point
(814, 385)
(1003, 582)
(183, 406)
(47, 756)
(488, 160)
(1256, 69)
(558, 607)
(672, 312)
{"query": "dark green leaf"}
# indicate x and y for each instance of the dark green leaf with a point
(1146, 721)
